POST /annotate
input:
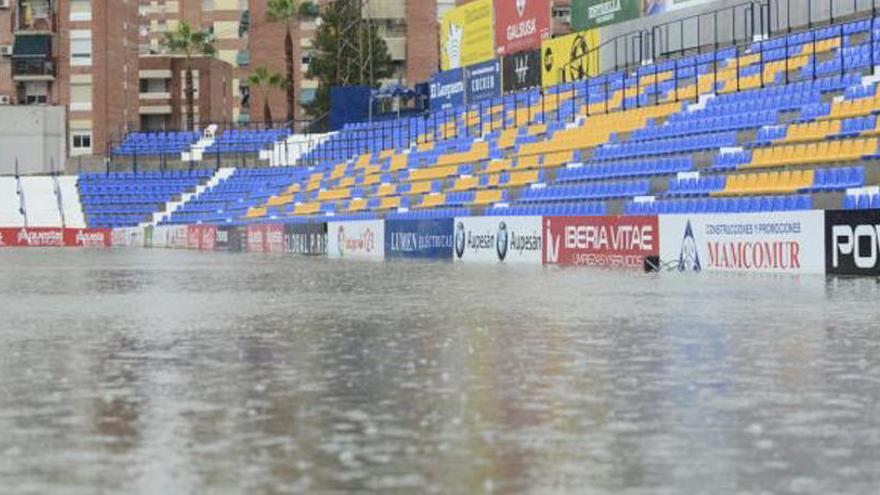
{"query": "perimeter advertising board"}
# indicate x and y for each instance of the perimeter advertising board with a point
(356, 239)
(570, 58)
(521, 71)
(447, 89)
(852, 242)
(483, 81)
(419, 238)
(498, 239)
(614, 242)
(521, 25)
(588, 14)
(176, 237)
(92, 238)
(127, 237)
(274, 238)
(221, 238)
(31, 237)
(237, 239)
(256, 238)
(467, 35)
(789, 242)
(306, 239)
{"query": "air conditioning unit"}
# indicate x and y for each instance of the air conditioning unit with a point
(5, 50)
(5, 99)
(4, 4)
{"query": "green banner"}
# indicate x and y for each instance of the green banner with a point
(587, 14)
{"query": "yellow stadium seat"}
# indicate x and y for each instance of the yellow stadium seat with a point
(389, 202)
(256, 212)
(466, 183)
(357, 204)
(307, 208)
(433, 199)
(386, 189)
(279, 200)
(498, 166)
(487, 197)
(432, 172)
(333, 194)
(522, 178)
(420, 187)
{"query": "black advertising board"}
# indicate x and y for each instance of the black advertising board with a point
(305, 238)
(852, 242)
(521, 71)
(236, 239)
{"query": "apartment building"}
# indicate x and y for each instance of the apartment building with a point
(77, 54)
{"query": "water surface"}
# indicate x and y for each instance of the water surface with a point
(153, 371)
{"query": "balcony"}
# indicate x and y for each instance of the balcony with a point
(36, 16)
(32, 70)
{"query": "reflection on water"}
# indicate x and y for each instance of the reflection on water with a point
(174, 372)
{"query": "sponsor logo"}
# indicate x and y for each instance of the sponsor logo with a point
(501, 241)
(578, 60)
(520, 7)
(40, 238)
(521, 69)
(90, 239)
(340, 240)
(2, 242)
(522, 29)
(366, 243)
(689, 257)
(604, 11)
(411, 242)
(600, 241)
(548, 59)
(856, 246)
(453, 44)
(460, 240)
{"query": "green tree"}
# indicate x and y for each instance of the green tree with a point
(184, 41)
(337, 63)
(286, 11)
(264, 81)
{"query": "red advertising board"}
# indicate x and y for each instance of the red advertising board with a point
(31, 237)
(600, 241)
(93, 238)
(193, 236)
(520, 25)
(256, 238)
(208, 237)
(274, 238)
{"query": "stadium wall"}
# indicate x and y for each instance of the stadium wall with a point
(844, 242)
(33, 135)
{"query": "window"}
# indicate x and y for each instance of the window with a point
(81, 142)
(80, 47)
(80, 10)
(80, 97)
(306, 96)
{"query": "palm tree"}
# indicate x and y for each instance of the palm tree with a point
(286, 11)
(187, 42)
(263, 81)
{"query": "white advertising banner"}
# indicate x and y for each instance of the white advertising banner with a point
(160, 236)
(127, 237)
(364, 239)
(783, 242)
(176, 237)
(498, 239)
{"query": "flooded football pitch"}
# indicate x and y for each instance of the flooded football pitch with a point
(153, 371)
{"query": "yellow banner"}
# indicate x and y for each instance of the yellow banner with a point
(466, 35)
(570, 58)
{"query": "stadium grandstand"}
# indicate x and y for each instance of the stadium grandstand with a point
(785, 123)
